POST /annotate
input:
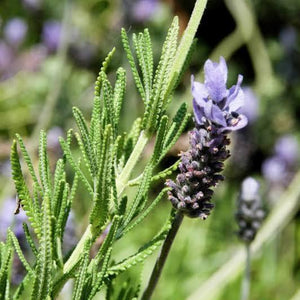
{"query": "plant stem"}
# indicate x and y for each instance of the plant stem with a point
(160, 262)
(123, 178)
(245, 291)
(76, 254)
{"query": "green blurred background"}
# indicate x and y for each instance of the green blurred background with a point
(50, 54)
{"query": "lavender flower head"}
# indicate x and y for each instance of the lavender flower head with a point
(215, 103)
(249, 214)
(215, 112)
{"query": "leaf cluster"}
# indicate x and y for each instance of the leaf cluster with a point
(104, 169)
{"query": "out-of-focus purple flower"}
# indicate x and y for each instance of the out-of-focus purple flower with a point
(5, 168)
(6, 56)
(51, 35)
(287, 148)
(8, 218)
(215, 103)
(274, 170)
(251, 105)
(15, 31)
(143, 10)
(52, 137)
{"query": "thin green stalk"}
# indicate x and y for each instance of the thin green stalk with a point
(123, 178)
(245, 291)
(160, 262)
(76, 254)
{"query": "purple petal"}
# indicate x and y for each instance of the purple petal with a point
(237, 124)
(234, 91)
(215, 79)
(217, 115)
(237, 103)
(198, 112)
(199, 92)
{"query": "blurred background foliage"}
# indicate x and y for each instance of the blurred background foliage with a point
(50, 53)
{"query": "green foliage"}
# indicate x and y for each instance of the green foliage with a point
(102, 160)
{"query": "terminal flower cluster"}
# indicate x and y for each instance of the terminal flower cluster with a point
(215, 115)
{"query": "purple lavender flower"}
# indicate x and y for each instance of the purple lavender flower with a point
(279, 168)
(8, 218)
(287, 149)
(214, 103)
(215, 111)
(15, 31)
(274, 169)
(51, 35)
(143, 10)
(249, 214)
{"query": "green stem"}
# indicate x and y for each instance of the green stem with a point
(162, 257)
(76, 254)
(123, 178)
(245, 292)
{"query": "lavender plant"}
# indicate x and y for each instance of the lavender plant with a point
(215, 115)
(104, 168)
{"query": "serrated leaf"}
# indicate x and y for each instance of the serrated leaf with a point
(28, 161)
(118, 95)
(140, 199)
(82, 275)
(101, 196)
(132, 63)
(138, 257)
(29, 239)
(146, 212)
(176, 129)
(86, 145)
(107, 242)
(167, 172)
(19, 252)
(6, 255)
(153, 109)
(44, 167)
(22, 190)
(160, 139)
(42, 286)
(74, 165)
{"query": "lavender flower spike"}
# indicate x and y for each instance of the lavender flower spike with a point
(249, 213)
(214, 103)
(215, 111)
